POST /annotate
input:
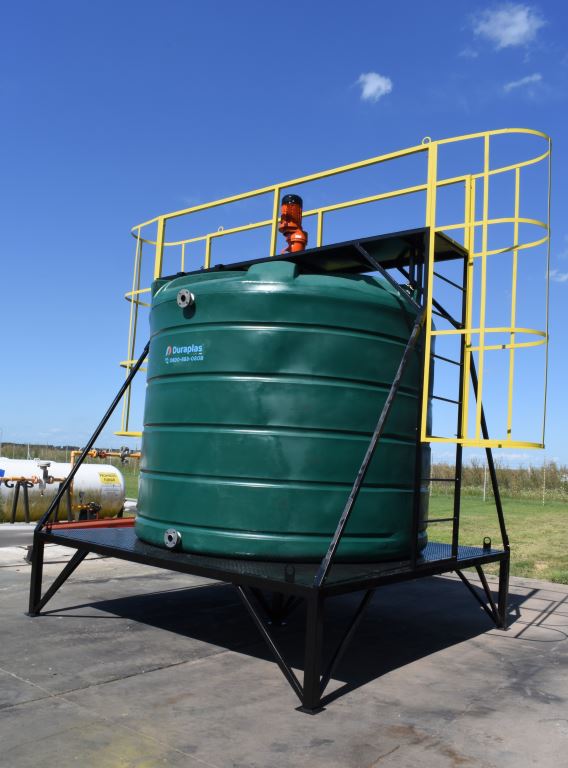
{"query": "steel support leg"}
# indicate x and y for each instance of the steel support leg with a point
(503, 600)
(311, 697)
(38, 601)
(37, 575)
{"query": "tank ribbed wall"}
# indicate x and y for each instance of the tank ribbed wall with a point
(260, 403)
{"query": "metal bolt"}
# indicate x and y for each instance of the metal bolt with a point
(172, 538)
(185, 298)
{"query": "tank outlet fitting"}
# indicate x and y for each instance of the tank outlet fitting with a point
(185, 298)
(172, 538)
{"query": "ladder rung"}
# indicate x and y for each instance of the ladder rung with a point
(446, 359)
(439, 520)
(445, 399)
(450, 282)
(441, 312)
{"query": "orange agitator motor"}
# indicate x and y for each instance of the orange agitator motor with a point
(291, 223)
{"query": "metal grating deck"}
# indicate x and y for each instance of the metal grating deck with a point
(344, 577)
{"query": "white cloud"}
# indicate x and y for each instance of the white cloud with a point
(508, 24)
(468, 53)
(528, 80)
(374, 86)
(558, 277)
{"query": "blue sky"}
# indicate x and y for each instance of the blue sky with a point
(115, 112)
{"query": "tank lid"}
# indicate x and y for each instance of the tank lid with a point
(273, 271)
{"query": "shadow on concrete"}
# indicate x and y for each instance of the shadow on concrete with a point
(404, 623)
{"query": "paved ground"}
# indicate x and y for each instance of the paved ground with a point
(16, 534)
(135, 667)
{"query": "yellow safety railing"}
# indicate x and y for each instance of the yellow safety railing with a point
(477, 339)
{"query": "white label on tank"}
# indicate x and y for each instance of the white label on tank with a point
(192, 353)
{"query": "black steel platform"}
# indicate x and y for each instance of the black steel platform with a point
(391, 250)
(287, 577)
(271, 590)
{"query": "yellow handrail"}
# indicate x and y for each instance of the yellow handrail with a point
(479, 339)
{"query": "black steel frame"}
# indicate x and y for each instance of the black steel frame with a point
(290, 585)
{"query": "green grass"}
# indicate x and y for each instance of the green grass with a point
(131, 485)
(538, 534)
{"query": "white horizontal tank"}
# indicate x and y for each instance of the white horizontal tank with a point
(102, 484)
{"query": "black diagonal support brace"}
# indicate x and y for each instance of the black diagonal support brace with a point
(386, 276)
(490, 610)
(346, 639)
(69, 479)
(74, 562)
(326, 563)
(284, 667)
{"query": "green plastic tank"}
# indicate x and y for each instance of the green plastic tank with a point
(263, 391)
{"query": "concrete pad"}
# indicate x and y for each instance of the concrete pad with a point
(135, 666)
(67, 735)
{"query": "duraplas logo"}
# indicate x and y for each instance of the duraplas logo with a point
(191, 349)
(190, 353)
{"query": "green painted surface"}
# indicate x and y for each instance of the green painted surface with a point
(260, 403)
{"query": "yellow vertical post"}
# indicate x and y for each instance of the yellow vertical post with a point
(469, 244)
(431, 224)
(274, 229)
(547, 288)
(483, 291)
(183, 257)
(159, 247)
(132, 328)
(513, 304)
(207, 264)
(319, 236)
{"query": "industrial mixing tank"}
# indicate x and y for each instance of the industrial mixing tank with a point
(264, 387)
